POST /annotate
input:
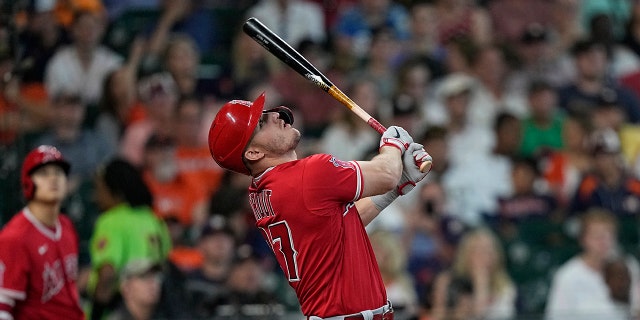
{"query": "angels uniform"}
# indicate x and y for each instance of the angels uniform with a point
(38, 269)
(305, 210)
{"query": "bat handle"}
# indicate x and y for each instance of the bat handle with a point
(373, 123)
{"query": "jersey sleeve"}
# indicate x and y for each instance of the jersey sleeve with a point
(14, 268)
(327, 180)
(106, 244)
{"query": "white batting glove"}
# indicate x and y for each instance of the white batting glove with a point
(397, 137)
(411, 175)
(411, 161)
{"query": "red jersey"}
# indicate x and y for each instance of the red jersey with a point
(38, 269)
(306, 212)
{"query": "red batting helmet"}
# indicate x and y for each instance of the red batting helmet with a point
(37, 158)
(231, 130)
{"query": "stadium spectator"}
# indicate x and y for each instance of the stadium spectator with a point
(206, 285)
(354, 27)
(622, 61)
(578, 288)
(159, 95)
(83, 65)
(392, 261)
(126, 230)
(461, 18)
(293, 20)
(610, 185)
(83, 147)
(510, 19)
(423, 41)
(542, 128)
(495, 92)
(141, 291)
(477, 285)
(176, 194)
(349, 137)
(592, 79)
(119, 104)
(248, 295)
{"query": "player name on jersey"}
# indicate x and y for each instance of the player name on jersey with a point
(261, 204)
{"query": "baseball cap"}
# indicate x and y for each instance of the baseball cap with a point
(452, 229)
(140, 267)
(604, 141)
(534, 33)
(216, 225)
(455, 84)
(583, 46)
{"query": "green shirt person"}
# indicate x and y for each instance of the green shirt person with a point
(127, 229)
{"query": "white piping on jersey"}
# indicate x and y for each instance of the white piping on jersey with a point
(5, 315)
(359, 183)
(41, 227)
(257, 179)
(347, 207)
(7, 300)
(15, 294)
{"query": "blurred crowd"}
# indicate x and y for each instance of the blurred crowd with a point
(530, 109)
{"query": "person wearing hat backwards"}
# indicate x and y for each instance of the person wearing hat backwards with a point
(39, 246)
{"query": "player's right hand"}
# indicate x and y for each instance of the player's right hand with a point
(411, 173)
(397, 137)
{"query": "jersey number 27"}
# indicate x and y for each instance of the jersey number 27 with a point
(281, 242)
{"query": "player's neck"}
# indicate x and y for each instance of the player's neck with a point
(593, 261)
(269, 162)
(46, 213)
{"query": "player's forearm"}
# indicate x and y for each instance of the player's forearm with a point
(367, 210)
(382, 173)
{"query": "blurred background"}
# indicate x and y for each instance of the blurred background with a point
(530, 109)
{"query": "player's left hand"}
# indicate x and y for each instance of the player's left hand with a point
(411, 174)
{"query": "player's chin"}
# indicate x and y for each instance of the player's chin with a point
(297, 136)
(51, 197)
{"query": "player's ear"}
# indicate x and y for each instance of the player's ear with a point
(253, 153)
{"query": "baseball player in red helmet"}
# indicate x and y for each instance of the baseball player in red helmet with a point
(313, 211)
(39, 246)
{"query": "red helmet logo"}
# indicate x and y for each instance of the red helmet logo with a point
(35, 159)
(231, 131)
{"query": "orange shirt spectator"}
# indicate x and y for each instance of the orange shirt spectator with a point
(180, 197)
(192, 154)
(174, 194)
(195, 162)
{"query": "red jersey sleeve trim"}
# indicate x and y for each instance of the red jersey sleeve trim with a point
(360, 179)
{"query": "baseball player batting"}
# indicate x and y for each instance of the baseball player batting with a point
(313, 211)
(39, 246)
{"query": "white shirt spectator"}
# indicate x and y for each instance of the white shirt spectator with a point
(485, 106)
(346, 144)
(301, 20)
(580, 292)
(473, 187)
(64, 72)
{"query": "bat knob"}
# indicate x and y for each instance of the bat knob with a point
(425, 166)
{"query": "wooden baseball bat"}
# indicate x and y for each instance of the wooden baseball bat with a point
(290, 56)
